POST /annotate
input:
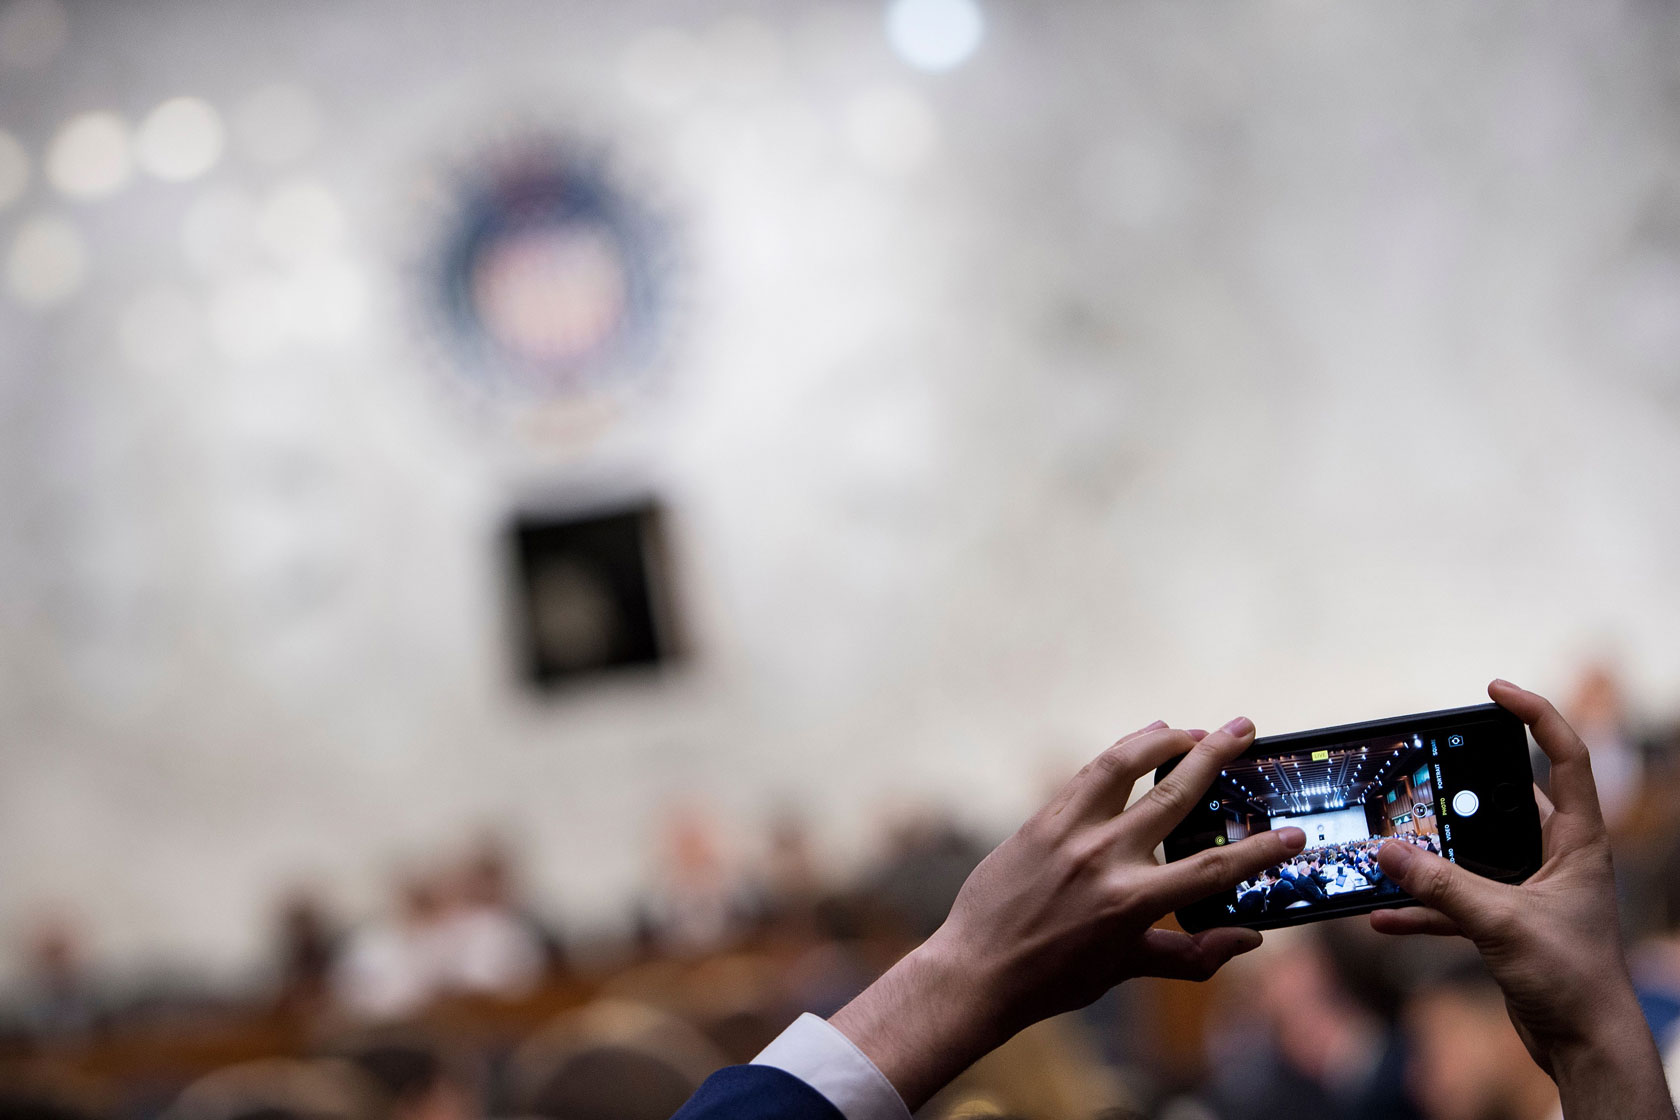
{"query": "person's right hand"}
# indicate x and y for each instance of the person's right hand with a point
(1064, 910)
(1553, 943)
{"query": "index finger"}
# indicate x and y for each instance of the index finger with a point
(1415, 919)
(1574, 793)
(1103, 785)
(1211, 870)
(1159, 810)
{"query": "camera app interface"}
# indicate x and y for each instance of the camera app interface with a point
(1349, 800)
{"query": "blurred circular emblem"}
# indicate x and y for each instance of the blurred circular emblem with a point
(553, 278)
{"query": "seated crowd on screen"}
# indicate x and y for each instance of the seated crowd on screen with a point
(1318, 873)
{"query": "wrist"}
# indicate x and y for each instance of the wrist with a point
(1608, 1035)
(1613, 1059)
(928, 1018)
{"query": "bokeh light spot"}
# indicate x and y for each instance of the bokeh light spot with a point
(90, 157)
(181, 139)
(47, 262)
(934, 35)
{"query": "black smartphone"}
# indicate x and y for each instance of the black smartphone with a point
(1456, 782)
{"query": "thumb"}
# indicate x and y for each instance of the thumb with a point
(1461, 895)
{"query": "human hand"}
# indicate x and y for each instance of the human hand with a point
(1064, 910)
(1553, 943)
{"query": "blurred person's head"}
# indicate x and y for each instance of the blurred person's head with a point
(1321, 1030)
(1467, 1061)
(792, 860)
(928, 858)
(279, 1089)
(1366, 966)
(305, 938)
(488, 875)
(912, 827)
(697, 905)
(1598, 711)
(690, 847)
(1597, 700)
(61, 997)
(413, 1081)
(614, 1083)
(791, 883)
(422, 899)
(611, 1060)
(54, 954)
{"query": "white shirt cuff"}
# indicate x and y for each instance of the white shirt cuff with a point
(828, 1062)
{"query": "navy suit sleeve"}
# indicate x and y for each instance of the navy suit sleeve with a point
(756, 1093)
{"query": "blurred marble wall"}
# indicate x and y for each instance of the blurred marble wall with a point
(1315, 361)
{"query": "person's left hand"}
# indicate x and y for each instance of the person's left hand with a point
(1064, 910)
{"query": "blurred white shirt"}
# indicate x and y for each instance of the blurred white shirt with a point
(392, 970)
(487, 950)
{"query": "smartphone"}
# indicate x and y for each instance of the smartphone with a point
(1457, 783)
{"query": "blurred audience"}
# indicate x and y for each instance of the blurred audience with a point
(1467, 1061)
(306, 946)
(59, 997)
(1656, 965)
(699, 903)
(491, 886)
(1599, 713)
(393, 967)
(279, 1089)
(612, 1060)
(1299, 1034)
(18, 1103)
(457, 932)
(1321, 1021)
(928, 858)
(486, 943)
(791, 885)
(411, 1081)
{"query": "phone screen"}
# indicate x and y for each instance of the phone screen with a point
(1456, 783)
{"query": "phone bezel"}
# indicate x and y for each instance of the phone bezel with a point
(1511, 747)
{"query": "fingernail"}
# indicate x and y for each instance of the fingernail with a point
(1242, 725)
(1247, 945)
(1293, 838)
(1196, 733)
(1157, 723)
